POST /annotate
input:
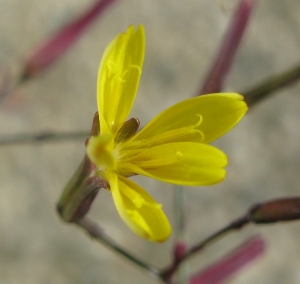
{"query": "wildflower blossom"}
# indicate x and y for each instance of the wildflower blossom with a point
(171, 148)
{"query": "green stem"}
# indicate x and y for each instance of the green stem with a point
(179, 212)
(179, 209)
(24, 138)
(270, 85)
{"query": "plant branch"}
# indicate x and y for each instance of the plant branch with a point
(167, 273)
(224, 268)
(180, 235)
(98, 234)
(271, 211)
(221, 66)
(46, 136)
(270, 85)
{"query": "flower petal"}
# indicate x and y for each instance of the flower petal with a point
(184, 163)
(200, 119)
(118, 78)
(139, 210)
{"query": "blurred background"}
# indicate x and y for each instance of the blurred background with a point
(181, 41)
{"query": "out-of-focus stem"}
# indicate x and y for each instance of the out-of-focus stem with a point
(24, 138)
(179, 212)
(52, 49)
(225, 56)
(6, 83)
(168, 272)
(284, 209)
(97, 233)
(179, 246)
(270, 85)
(232, 263)
(236, 225)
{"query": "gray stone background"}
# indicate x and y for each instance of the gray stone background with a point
(182, 37)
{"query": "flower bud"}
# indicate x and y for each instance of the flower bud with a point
(285, 209)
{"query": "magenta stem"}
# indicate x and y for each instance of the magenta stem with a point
(215, 79)
(52, 49)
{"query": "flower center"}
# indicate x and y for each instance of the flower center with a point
(100, 151)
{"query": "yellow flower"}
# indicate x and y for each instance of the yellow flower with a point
(171, 148)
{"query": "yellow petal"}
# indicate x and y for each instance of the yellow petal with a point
(118, 78)
(139, 210)
(200, 119)
(184, 163)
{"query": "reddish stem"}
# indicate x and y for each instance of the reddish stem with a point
(52, 49)
(225, 56)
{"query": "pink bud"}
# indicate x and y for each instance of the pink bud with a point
(286, 209)
(232, 263)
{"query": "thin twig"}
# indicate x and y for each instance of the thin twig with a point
(5, 84)
(98, 234)
(223, 269)
(168, 272)
(179, 246)
(55, 46)
(215, 78)
(24, 138)
(236, 225)
(252, 97)
(270, 85)
(179, 212)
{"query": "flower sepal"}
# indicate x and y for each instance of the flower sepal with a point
(80, 192)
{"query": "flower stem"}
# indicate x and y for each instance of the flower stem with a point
(224, 268)
(268, 86)
(98, 234)
(55, 46)
(225, 56)
(235, 225)
(179, 246)
(168, 272)
(46, 136)
(179, 212)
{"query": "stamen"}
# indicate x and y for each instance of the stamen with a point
(137, 67)
(200, 120)
(198, 124)
(200, 132)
